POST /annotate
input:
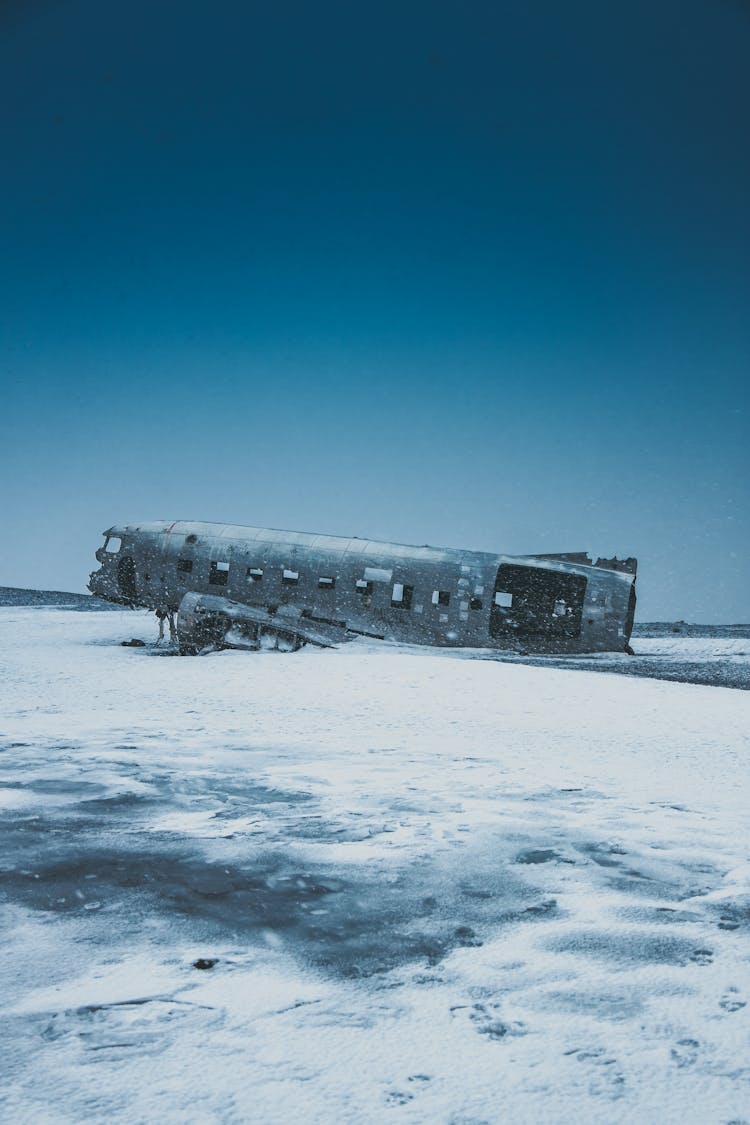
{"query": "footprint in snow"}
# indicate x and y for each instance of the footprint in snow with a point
(685, 1052)
(403, 1097)
(731, 1001)
(606, 1079)
(702, 956)
(398, 1097)
(487, 1021)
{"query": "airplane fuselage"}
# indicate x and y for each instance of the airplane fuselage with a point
(420, 595)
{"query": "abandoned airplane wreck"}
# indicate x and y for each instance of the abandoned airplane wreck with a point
(256, 588)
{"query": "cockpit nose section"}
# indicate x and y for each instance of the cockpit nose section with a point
(111, 546)
(116, 578)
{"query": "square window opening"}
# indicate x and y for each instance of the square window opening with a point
(113, 544)
(184, 566)
(402, 595)
(441, 597)
(504, 599)
(218, 573)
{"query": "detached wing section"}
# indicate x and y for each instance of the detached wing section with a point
(207, 621)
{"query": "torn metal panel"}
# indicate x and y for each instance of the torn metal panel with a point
(294, 583)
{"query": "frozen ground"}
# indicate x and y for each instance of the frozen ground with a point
(718, 655)
(429, 888)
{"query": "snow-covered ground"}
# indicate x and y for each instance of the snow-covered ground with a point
(698, 655)
(433, 889)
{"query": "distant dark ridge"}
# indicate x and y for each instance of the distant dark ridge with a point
(12, 596)
(685, 629)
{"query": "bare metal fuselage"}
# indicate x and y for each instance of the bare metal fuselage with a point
(235, 584)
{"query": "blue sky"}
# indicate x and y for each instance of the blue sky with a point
(472, 275)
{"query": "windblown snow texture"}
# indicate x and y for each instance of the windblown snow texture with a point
(367, 885)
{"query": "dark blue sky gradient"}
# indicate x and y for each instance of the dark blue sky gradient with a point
(473, 274)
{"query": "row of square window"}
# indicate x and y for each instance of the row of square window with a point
(401, 596)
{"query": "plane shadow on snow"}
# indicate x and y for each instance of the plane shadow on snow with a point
(102, 859)
(337, 919)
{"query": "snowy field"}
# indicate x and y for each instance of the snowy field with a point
(367, 885)
(698, 654)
